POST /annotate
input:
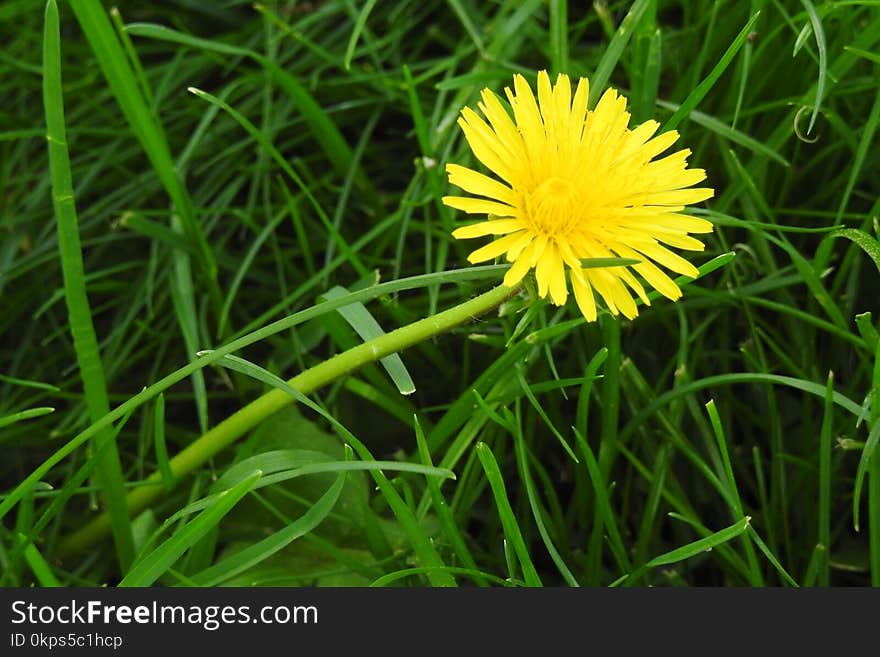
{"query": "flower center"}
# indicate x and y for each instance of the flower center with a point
(553, 207)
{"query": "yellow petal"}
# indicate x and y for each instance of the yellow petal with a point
(497, 227)
(539, 245)
(476, 183)
(685, 223)
(542, 272)
(613, 292)
(600, 284)
(562, 103)
(678, 240)
(627, 277)
(520, 268)
(550, 274)
(569, 258)
(478, 206)
(515, 250)
(558, 288)
(579, 110)
(655, 277)
(494, 249)
(583, 294)
(674, 197)
(658, 144)
(670, 260)
(545, 101)
(485, 144)
(526, 114)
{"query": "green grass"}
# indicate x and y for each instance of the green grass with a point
(168, 256)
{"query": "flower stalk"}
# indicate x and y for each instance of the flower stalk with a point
(249, 416)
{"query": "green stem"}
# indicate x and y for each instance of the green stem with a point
(248, 417)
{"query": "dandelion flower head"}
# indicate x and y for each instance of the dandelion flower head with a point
(575, 184)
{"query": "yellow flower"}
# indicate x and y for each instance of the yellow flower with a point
(578, 184)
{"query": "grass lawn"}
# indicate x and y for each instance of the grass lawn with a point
(208, 207)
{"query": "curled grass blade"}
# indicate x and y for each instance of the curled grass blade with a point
(816, 23)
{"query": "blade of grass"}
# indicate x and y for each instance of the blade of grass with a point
(109, 470)
(868, 244)
(326, 133)
(505, 512)
(696, 548)
(527, 391)
(608, 439)
(467, 24)
(255, 132)
(38, 564)
(359, 25)
(874, 477)
(559, 35)
(824, 533)
(477, 575)
(420, 543)
(366, 326)
(262, 550)
(614, 50)
(709, 81)
(724, 131)
(444, 513)
(816, 22)
(864, 466)
(729, 379)
(123, 83)
(721, 440)
(659, 470)
(603, 506)
(159, 443)
(771, 557)
(522, 457)
(152, 566)
(27, 414)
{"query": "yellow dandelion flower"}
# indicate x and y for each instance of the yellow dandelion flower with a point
(575, 184)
